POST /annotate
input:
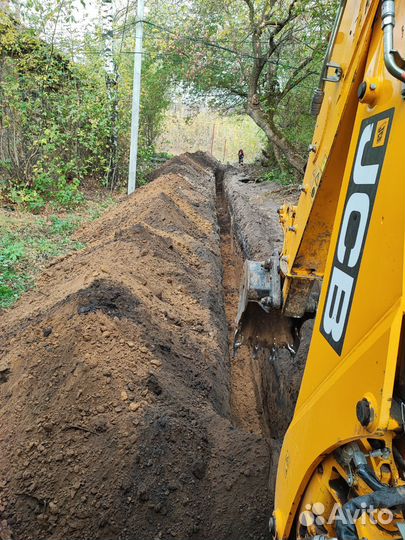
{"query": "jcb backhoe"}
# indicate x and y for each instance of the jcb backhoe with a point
(341, 472)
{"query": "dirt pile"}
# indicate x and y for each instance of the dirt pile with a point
(115, 405)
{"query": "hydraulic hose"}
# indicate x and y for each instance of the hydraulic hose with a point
(320, 91)
(383, 498)
(370, 478)
(391, 56)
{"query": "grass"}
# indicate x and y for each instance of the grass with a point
(28, 242)
(284, 178)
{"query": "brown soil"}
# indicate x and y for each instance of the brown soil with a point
(120, 416)
(124, 414)
(243, 398)
(274, 348)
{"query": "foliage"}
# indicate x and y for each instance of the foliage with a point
(279, 176)
(17, 250)
(260, 56)
(27, 243)
(56, 126)
(53, 125)
(64, 120)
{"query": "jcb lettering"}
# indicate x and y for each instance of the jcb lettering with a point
(365, 174)
(337, 304)
(354, 227)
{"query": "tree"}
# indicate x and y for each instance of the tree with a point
(111, 70)
(65, 101)
(54, 124)
(252, 54)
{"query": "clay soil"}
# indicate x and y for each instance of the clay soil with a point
(122, 415)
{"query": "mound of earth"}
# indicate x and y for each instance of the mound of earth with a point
(115, 383)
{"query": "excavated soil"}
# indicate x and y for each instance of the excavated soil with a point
(124, 413)
(121, 416)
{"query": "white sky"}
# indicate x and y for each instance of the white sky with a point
(89, 14)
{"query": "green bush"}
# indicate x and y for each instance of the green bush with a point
(60, 118)
(284, 178)
(27, 198)
(56, 122)
(11, 284)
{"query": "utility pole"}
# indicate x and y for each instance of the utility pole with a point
(225, 150)
(136, 98)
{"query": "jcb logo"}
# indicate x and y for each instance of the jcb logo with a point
(354, 228)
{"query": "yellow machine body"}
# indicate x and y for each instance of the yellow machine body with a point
(308, 227)
(349, 229)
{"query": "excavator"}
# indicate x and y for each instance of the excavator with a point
(341, 471)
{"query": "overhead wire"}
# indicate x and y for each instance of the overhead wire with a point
(194, 39)
(207, 43)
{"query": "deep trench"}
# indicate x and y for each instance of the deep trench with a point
(174, 437)
(245, 411)
(266, 372)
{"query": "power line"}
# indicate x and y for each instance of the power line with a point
(160, 54)
(214, 45)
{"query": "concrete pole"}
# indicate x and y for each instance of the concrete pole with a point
(136, 98)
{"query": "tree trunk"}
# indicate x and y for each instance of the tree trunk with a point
(112, 88)
(267, 124)
(279, 158)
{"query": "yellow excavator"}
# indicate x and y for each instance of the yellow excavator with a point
(341, 472)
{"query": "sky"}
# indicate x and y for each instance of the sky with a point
(89, 14)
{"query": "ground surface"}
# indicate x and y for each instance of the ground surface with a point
(124, 414)
(29, 241)
(115, 384)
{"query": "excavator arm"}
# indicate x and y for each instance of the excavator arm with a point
(308, 226)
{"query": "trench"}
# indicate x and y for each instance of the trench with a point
(243, 396)
(165, 436)
(266, 372)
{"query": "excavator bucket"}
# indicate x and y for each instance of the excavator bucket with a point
(261, 285)
(260, 321)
